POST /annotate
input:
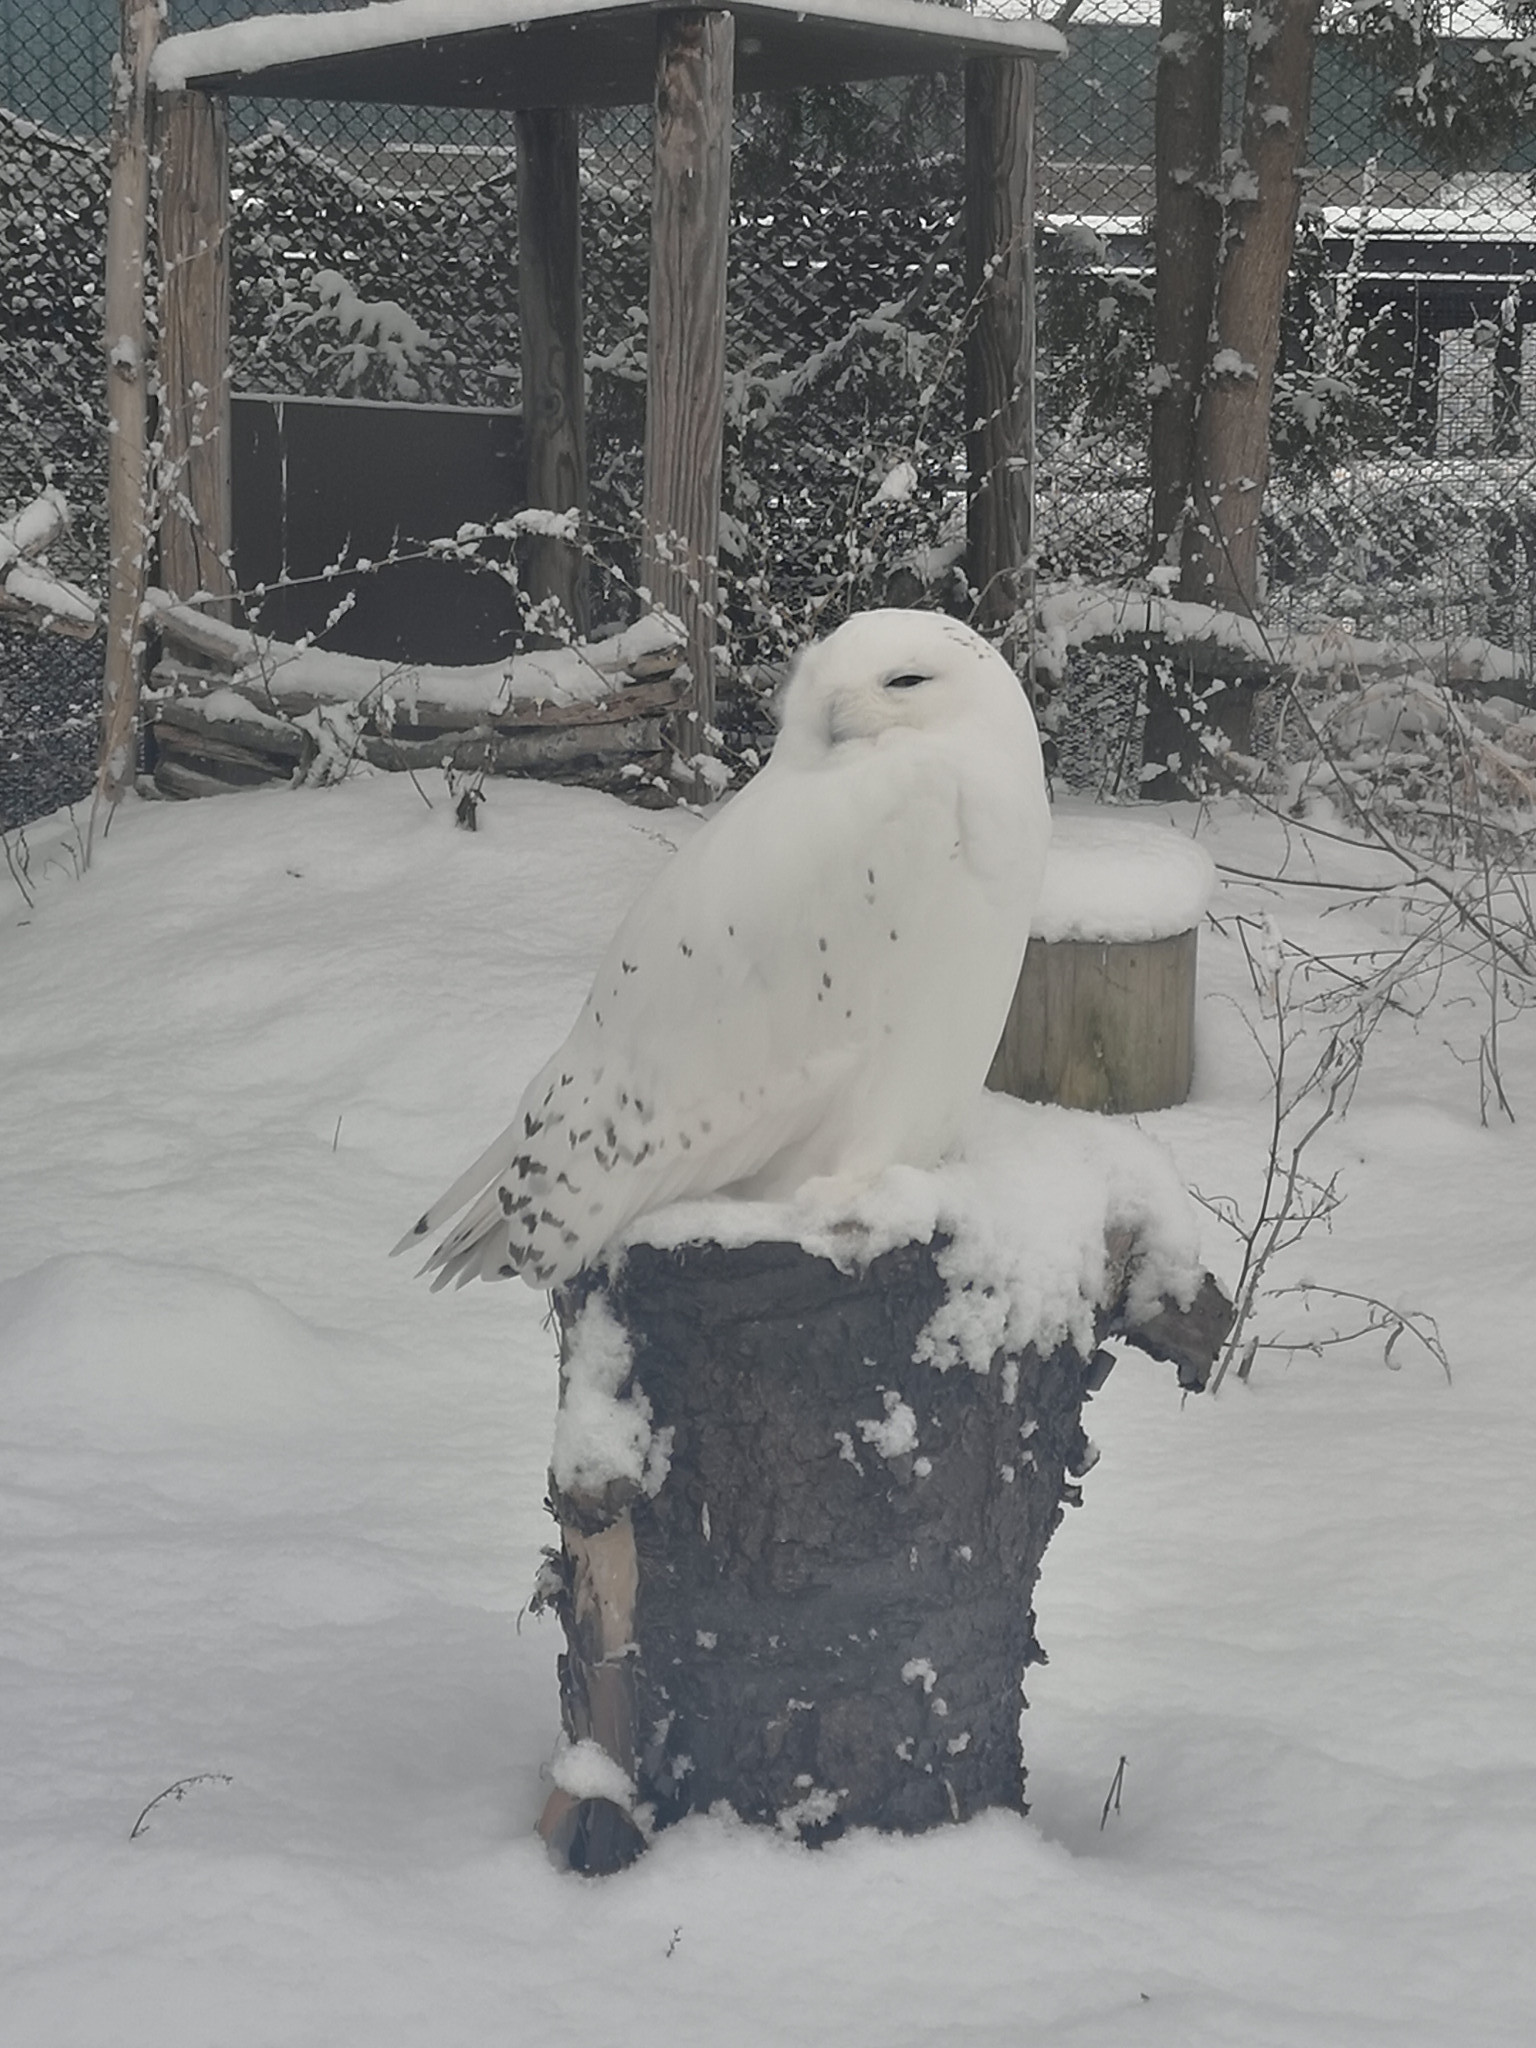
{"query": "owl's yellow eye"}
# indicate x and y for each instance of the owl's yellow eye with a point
(906, 682)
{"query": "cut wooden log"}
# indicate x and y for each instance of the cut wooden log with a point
(274, 737)
(1102, 1025)
(175, 777)
(218, 766)
(811, 1596)
(1104, 1014)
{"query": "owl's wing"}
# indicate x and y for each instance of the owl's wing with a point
(741, 1000)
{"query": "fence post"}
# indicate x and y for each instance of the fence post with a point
(549, 299)
(192, 130)
(1000, 339)
(685, 386)
(127, 347)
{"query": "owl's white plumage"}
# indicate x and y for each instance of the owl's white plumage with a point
(816, 982)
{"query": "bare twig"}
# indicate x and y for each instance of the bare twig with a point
(178, 1792)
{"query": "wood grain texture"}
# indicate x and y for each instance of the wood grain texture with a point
(690, 217)
(196, 535)
(822, 1630)
(1000, 336)
(127, 347)
(550, 320)
(1103, 1027)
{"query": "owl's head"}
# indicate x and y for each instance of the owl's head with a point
(886, 670)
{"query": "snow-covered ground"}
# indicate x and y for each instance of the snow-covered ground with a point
(271, 1512)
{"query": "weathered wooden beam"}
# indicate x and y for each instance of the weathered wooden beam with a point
(550, 319)
(196, 537)
(127, 347)
(1000, 339)
(685, 398)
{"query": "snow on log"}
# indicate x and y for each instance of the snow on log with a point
(807, 1462)
(1104, 1014)
(1087, 615)
(27, 586)
(232, 709)
(278, 673)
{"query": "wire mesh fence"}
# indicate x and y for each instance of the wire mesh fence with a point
(1404, 489)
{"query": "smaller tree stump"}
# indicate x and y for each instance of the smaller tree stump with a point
(1104, 1014)
(798, 1553)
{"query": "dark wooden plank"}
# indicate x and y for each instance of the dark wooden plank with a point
(317, 481)
(690, 211)
(550, 318)
(1000, 338)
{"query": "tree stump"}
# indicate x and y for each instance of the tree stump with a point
(1104, 1014)
(797, 1564)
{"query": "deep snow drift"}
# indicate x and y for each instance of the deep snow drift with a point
(269, 1512)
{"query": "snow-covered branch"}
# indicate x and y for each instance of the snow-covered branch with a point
(27, 585)
(289, 677)
(1099, 615)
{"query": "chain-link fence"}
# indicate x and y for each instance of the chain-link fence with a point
(1406, 416)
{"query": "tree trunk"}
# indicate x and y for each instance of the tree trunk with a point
(127, 346)
(1221, 542)
(999, 342)
(815, 1603)
(1187, 239)
(1187, 236)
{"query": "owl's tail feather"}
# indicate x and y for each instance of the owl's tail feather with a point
(490, 1166)
(479, 1248)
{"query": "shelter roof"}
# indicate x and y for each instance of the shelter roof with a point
(553, 53)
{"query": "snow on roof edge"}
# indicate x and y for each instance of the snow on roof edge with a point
(260, 42)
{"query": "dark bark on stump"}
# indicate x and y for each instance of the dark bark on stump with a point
(820, 1635)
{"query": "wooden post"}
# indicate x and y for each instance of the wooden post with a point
(192, 131)
(550, 318)
(1504, 539)
(685, 394)
(1000, 339)
(127, 346)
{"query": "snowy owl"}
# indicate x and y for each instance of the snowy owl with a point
(814, 985)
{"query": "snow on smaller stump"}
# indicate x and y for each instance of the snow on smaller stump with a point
(1104, 1016)
(803, 1512)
